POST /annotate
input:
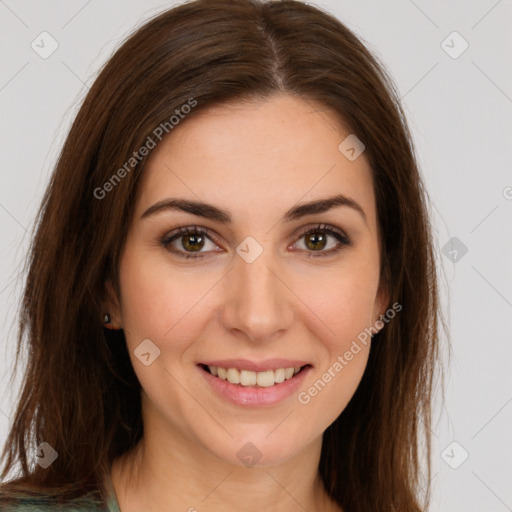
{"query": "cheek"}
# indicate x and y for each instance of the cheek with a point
(347, 316)
(345, 343)
(155, 299)
(158, 305)
(345, 303)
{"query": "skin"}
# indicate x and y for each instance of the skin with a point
(255, 160)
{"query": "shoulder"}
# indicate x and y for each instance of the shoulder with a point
(22, 496)
(44, 504)
(23, 504)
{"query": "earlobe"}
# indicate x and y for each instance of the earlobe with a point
(381, 306)
(111, 310)
(107, 321)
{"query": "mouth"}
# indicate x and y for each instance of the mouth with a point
(245, 378)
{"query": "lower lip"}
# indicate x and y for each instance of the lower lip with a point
(254, 396)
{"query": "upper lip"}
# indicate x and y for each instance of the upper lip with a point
(260, 366)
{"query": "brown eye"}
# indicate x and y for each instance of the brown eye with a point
(323, 240)
(192, 242)
(189, 242)
(316, 241)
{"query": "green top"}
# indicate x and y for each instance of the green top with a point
(112, 504)
(35, 504)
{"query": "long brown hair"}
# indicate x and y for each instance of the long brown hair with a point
(80, 393)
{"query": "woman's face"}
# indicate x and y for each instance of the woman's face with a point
(250, 290)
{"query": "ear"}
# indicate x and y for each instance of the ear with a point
(381, 304)
(112, 305)
(381, 300)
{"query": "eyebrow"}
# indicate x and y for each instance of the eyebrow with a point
(209, 211)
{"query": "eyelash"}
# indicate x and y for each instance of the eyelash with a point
(325, 228)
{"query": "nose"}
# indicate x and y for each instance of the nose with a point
(257, 300)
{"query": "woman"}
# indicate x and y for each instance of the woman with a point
(231, 299)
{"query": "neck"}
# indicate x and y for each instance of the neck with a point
(178, 474)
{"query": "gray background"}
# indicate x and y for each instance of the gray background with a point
(459, 110)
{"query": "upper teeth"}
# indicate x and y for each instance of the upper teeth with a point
(248, 378)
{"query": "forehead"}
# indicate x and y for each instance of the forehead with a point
(258, 155)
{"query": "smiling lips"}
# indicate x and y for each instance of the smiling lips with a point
(248, 378)
(248, 384)
(247, 373)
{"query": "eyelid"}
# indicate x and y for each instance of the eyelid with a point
(322, 227)
(186, 230)
(342, 238)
